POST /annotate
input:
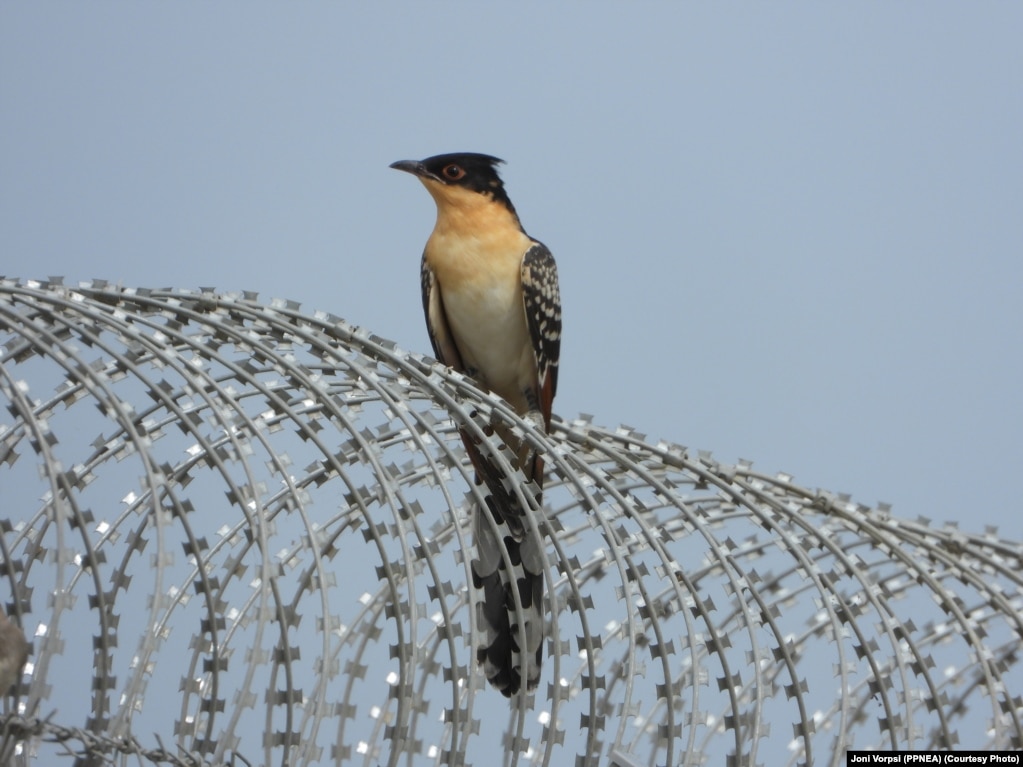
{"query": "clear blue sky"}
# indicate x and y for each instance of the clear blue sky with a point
(786, 232)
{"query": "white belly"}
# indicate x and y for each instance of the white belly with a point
(478, 265)
(488, 323)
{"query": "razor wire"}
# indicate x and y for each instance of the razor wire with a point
(237, 533)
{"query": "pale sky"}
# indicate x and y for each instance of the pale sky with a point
(789, 233)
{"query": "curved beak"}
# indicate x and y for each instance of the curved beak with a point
(414, 167)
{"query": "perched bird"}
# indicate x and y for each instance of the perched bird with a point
(493, 311)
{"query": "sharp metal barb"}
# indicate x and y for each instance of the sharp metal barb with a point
(177, 572)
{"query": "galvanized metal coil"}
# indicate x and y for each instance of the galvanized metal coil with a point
(235, 532)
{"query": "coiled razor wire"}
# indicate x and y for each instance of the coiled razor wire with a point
(236, 533)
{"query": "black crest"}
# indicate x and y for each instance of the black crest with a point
(478, 172)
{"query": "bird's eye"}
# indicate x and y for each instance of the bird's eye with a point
(453, 172)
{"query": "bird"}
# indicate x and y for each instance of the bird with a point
(493, 312)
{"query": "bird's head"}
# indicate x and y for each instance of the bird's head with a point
(459, 179)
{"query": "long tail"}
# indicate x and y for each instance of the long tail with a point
(512, 646)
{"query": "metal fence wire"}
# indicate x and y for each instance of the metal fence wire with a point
(237, 533)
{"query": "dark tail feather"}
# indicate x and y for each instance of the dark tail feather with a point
(508, 655)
